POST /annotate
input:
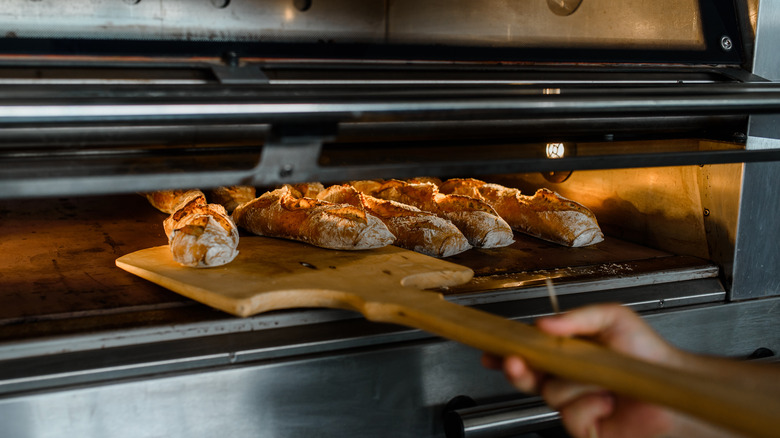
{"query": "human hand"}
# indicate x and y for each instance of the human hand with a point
(587, 410)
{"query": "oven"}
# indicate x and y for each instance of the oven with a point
(658, 116)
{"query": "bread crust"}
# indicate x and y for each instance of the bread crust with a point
(479, 223)
(231, 197)
(283, 213)
(545, 215)
(168, 201)
(414, 229)
(308, 189)
(201, 235)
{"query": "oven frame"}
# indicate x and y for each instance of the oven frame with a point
(272, 376)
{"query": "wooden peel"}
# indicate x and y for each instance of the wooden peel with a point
(384, 285)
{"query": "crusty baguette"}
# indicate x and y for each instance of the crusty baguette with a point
(283, 213)
(231, 197)
(546, 214)
(168, 201)
(201, 235)
(481, 225)
(414, 229)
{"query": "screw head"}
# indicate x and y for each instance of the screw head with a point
(286, 171)
(726, 43)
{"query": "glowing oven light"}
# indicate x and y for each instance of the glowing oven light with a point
(555, 150)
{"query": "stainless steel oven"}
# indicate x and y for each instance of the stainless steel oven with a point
(666, 111)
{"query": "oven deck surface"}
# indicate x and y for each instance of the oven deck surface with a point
(58, 274)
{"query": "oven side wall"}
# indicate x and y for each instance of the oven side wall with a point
(756, 257)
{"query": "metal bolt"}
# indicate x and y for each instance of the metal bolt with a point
(726, 43)
(285, 171)
(230, 58)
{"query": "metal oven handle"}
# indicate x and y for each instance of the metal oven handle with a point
(463, 418)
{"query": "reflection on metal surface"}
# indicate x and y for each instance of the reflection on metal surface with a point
(563, 7)
(598, 23)
(184, 20)
(629, 24)
(507, 418)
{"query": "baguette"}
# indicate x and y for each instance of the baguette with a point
(284, 213)
(201, 235)
(231, 197)
(479, 223)
(545, 215)
(168, 201)
(414, 229)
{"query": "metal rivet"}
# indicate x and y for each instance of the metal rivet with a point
(726, 43)
(286, 170)
(706, 212)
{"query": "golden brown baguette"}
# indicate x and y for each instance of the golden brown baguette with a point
(414, 229)
(168, 201)
(283, 213)
(546, 214)
(231, 197)
(481, 225)
(201, 235)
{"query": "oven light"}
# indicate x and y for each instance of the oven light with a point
(555, 150)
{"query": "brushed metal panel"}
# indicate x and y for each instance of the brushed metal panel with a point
(267, 20)
(667, 24)
(766, 60)
(756, 257)
(398, 390)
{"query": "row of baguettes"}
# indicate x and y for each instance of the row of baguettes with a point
(425, 215)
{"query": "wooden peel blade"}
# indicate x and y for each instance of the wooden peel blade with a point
(384, 285)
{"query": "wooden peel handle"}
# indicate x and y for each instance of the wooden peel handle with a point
(724, 403)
